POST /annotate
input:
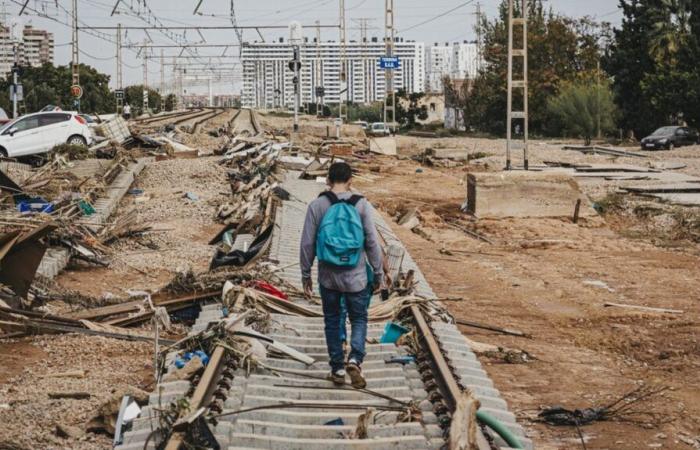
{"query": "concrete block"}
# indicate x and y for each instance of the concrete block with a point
(524, 194)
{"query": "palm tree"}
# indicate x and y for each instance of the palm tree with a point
(671, 30)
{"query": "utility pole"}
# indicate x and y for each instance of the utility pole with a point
(15, 36)
(120, 90)
(75, 61)
(517, 84)
(389, 103)
(318, 72)
(296, 39)
(600, 135)
(162, 76)
(343, 63)
(479, 55)
(145, 76)
(364, 22)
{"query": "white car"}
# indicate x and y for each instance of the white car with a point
(40, 132)
(379, 129)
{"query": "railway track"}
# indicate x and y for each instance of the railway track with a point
(168, 116)
(200, 120)
(285, 403)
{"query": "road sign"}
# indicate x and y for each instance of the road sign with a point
(76, 91)
(19, 90)
(119, 94)
(389, 62)
(294, 65)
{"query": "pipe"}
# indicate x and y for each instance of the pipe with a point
(500, 429)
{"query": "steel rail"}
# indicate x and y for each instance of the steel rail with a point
(446, 380)
(147, 120)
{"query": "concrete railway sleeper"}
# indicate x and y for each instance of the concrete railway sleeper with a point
(243, 399)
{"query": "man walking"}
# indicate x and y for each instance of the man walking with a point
(339, 231)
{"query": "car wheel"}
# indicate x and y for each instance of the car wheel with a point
(670, 146)
(77, 140)
(3, 153)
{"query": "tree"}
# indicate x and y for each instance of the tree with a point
(654, 64)
(170, 101)
(49, 85)
(133, 95)
(560, 49)
(580, 106)
(406, 116)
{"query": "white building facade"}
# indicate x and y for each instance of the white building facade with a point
(458, 61)
(438, 62)
(35, 49)
(465, 61)
(268, 81)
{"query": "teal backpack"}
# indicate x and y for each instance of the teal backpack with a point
(341, 236)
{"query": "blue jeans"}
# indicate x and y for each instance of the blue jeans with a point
(356, 304)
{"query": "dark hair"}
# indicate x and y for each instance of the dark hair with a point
(339, 172)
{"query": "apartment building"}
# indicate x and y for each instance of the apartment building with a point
(465, 61)
(438, 62)
(268, 81)
(457, 60)
(35, 48)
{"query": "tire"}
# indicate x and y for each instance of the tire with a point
(3, 153)
(670, 146)
(77, 139)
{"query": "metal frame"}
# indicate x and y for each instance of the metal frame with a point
(517, 84)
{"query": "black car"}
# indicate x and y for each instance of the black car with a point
(670, 137)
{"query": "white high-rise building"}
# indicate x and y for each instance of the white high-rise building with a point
(465, 61)
(438, 63)
(267, 79)
(457, 60)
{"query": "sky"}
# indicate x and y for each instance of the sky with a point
(453, 21)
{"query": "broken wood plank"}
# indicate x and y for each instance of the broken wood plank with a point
(508, 331)
(72, 395)
(644, 308)
(30, 327)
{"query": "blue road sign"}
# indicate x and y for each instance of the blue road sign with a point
(389, 62)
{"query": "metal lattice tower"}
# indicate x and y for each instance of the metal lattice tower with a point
(517, 85)
(119, 101)
(162, 73)
(145, 76)
(343, 62)
(389, 103)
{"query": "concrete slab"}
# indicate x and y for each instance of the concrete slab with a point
(383, 145)
(524, 194)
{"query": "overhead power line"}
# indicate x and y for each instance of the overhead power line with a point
(434, 18)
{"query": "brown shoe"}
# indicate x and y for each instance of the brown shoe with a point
(355, 372)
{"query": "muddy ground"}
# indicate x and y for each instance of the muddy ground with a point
(550, 279)
(546, 277)
(181, 230)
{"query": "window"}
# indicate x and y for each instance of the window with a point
(432, 106)
(50, 119)
(27, 124)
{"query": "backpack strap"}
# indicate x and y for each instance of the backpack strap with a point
(330, 195)
(354, 199)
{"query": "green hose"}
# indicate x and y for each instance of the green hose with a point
(493, 423)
